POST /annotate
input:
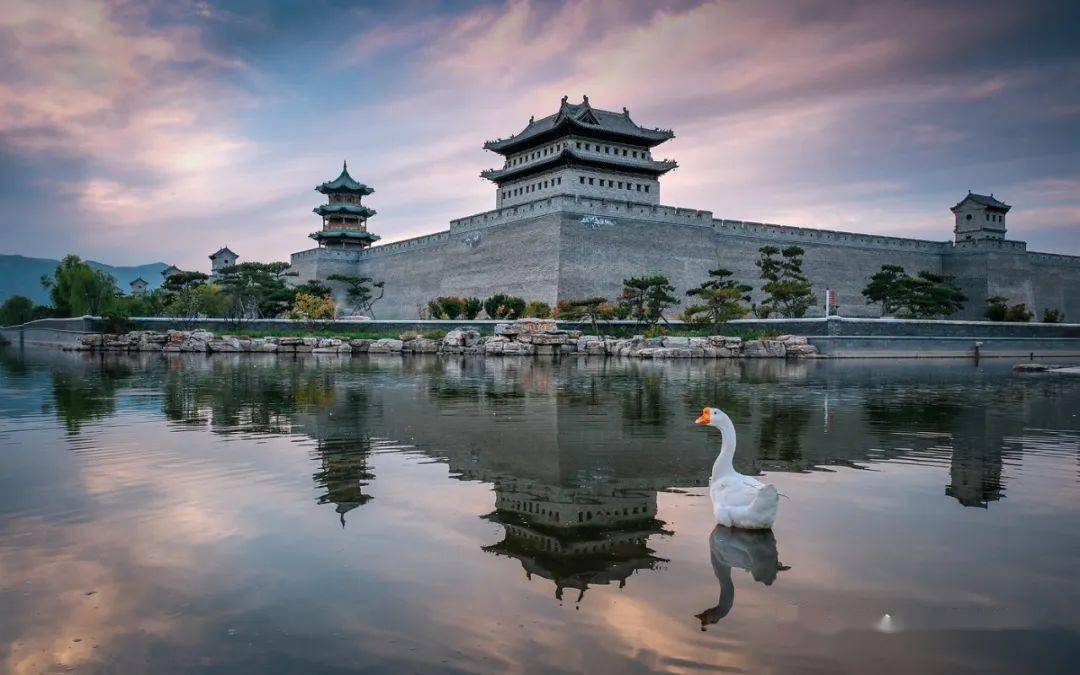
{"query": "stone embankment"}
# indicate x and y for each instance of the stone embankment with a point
(522, 337)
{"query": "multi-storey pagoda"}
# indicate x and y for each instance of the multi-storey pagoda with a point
(580, 150)
(344, 217)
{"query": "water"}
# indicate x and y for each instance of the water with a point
(252, 514)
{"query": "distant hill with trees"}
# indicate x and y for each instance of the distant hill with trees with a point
(20, 275)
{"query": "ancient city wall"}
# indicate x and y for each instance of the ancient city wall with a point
(573, 246)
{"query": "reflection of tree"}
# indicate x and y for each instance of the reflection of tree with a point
(715, 393)
(80, 397)
(753, 551)
(644, 403)
(782, 426)
(11, 365)
(245, 397)
(343, 474)
(576, 537)
(912, 410)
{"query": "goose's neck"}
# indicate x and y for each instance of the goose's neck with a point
(723, 464)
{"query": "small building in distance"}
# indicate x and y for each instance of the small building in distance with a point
(221, 259)
(169, 271)
(139, 286)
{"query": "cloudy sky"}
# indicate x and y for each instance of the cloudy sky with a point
(134, 132)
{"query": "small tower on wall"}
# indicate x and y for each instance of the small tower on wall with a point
(979, 218)
(139, 286)
(344, 217)
(221, 259)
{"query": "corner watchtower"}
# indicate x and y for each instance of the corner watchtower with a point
(344, 217)
(580, 150)
(221, 259)
(979, 218)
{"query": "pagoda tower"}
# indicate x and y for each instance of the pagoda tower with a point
(580, 150)
(344, 217)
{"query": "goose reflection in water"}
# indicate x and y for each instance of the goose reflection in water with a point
(750, 550)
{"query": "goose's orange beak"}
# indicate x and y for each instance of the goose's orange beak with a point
(706, 417)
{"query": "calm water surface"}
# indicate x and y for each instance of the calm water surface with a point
(222, 513)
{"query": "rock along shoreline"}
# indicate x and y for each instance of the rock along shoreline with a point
(523, 337)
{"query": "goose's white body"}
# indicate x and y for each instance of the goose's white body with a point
(738, 500)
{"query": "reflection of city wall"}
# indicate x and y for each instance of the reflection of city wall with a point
(584, 424)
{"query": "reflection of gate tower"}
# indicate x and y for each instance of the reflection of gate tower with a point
(573, 536)
(344, 217)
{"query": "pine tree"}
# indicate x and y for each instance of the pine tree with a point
(721, 300)
(788, 291)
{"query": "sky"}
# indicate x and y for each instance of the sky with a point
(135, 132)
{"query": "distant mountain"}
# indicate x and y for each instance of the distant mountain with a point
(20, 275)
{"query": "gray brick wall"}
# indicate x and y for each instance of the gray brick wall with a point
(572, 246)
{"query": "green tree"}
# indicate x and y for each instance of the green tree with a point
(787, 291)
(255, 290)
(538, 309)
(473, 307)
(502, 306)
(361, 292)
(178, 281)
(586, 309)
(77, 289)
(15, 310)
(886, 288)
(312, 309)
(446, 307)
(996, 308)
(1053, 315)
(720, 300)
(195, 302)
(930, 295)
(313, 287)
(646, 298)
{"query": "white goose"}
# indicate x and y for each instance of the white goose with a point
(738, 500)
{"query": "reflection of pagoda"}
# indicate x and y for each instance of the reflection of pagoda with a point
(343, 475)
(574, 537)
(344, 217)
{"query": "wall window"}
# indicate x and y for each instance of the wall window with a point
(646, 188)
(582, 179)
(638, 187)
(590, 181)
(578, 143)
(607, 149)
(620, 185)
(634, 154)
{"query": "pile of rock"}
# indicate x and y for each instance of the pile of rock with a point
(522, 337)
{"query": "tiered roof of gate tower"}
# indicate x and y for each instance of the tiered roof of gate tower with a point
(580, 150)
(344, 216)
